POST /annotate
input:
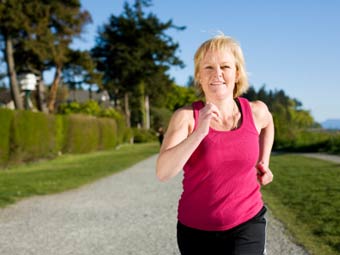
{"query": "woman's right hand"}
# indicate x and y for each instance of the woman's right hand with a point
(206, 114)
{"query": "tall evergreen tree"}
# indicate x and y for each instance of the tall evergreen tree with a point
(289, 117)
(133, 50)
(81, 70)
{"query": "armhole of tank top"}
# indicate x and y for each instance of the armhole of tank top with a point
(248, 118)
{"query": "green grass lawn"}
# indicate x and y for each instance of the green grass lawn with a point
(68, 171)
(305, 196)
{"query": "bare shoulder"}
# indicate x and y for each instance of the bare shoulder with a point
(182, 117)
(180, 127)
(258, 107)
(261, 113)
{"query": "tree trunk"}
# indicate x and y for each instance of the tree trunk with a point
(127, 109)
(54, 89)
(90, 93)
(147, 113)
(15, 91)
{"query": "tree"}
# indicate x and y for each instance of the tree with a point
(57, 23)
(289, 117)
(11, 19)
(43, 31)
(133, 49)
(81, 70)
(180, 96)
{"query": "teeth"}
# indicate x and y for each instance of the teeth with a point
(216, 84)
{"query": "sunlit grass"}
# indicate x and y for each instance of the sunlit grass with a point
(305, 195)
(68, 171)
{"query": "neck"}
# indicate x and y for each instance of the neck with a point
(229, 115)
(226, 106)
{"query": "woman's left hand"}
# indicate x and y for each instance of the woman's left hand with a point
(264, 174)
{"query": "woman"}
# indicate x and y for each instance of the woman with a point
(223, 145)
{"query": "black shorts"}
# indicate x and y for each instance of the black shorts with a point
(248, 238)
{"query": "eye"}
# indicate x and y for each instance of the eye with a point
(208, 67)
(225, 67)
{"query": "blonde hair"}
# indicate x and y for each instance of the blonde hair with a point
(218, 43)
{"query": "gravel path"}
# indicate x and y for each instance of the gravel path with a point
(130, 212)
(333, 158)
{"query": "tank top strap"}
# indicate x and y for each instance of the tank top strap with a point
(247, 114)
(197, 106)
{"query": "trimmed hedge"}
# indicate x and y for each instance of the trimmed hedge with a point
(81, 134)
(27, 135)
(6, 117)
(108, 133)
(143, 136)
(33, 136)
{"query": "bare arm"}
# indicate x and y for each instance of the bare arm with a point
(180, 141)
(264, 123)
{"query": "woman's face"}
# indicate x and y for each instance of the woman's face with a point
(217, 73)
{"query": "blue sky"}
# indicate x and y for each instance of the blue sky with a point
(290, 45)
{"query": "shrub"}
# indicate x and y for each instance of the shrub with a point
(333, 144)
(143, 136)
(120, 122)
(160, 117)
(81, 134)
(92, 107)
(107, 133)
(60, 133)
(6, 117)
(32, 136)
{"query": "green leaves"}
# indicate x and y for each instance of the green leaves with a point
(133, 48)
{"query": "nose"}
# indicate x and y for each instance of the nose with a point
(218, 72)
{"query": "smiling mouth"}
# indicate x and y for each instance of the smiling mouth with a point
(217, 83)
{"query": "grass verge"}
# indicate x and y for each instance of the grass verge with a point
(305, 196)
(68, 171)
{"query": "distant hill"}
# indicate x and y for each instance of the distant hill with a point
(331, 124)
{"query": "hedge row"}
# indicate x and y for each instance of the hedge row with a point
(313, 141)
(6, 117)
(26, 136)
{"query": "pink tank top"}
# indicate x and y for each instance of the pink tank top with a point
(220, 187)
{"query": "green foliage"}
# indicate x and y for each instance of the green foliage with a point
(133, 49)
(290, 120)
(60, 133)
(28, 136)
(305, 196)
(160, 117)
(6, 117)
(175, 98)
(80, 70)
(41, 33)
(91, 107)
(29, 129)
(143, 136)
(82, 134)
(333, 143)
(107, 133)
(180, 96)
(46, 31)
(111, 113)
